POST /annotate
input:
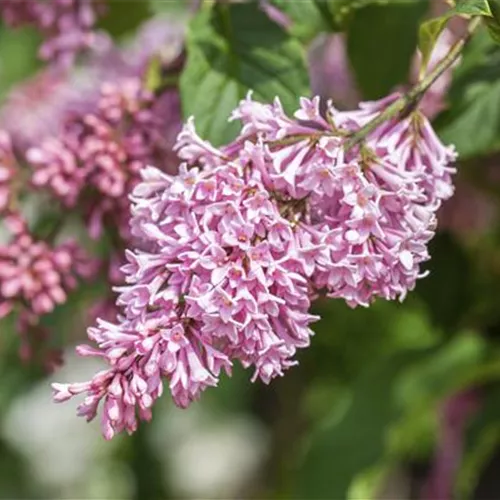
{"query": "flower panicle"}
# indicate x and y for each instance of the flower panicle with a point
(236, 247)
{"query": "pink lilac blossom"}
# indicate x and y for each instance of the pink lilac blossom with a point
(66, 25)
(246, 236)
(211, 289)
(96, 160)
(371, 211)
(38, 108)
(35, 276)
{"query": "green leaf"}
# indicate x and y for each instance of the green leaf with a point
(381, 42)
(18, 57)
(426, 383)
(430, 30)
(171, 7)
(123, 17)
(472, 8)
(308, 17)
(494, 30)
(472, 121)
(445, 292)
(493, 23)
(331, 463)
(232, 49)
(442, 373)
(428, 34)
(476, 128)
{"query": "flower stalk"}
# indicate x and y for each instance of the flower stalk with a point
(412, 97)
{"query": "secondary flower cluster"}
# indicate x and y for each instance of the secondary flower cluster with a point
(66, 25)
(35, 277)
(95, 161)
(236, 247)
(79, 144)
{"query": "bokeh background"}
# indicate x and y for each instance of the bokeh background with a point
(398, 401)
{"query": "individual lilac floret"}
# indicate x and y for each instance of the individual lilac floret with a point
(66, 25)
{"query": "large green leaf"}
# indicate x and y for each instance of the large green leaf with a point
(232, 49)
(381, 42)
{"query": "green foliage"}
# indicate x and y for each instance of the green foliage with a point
(153, 76)
(493, 23)
(18, 56)
(391, 413)
(125, 16)
(430, 30)
(330, 465)
(232, 49)
(381, 43)
(428, 34)
(310, 17)
(472, 8)
(168, 7)
(446, 292)
(481, 441)
(472, 122)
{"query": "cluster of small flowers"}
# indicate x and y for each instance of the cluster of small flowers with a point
(95, 161)
(239, 243)
(67, 25)
(36, 277)
(82, 142)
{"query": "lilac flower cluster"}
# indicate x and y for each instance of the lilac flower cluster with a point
(95, 161)
(236, 247)
(81, 143)
(35, 276)
(66, 25)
